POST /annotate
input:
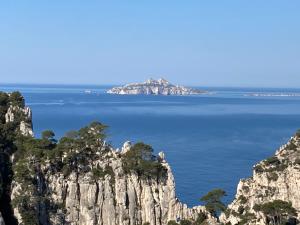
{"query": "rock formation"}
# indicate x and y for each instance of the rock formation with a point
(114, 199)
(276, 178)
(154, 87)
(26, 121)
(15, 119)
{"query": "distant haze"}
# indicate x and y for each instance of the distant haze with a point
(196, 43)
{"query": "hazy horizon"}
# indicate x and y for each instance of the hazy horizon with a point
(121, 84)
(211, 44)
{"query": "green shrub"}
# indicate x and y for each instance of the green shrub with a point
(291, 146)
(66, 170)
(140, 159)
(246, 188)
(277, 168)
(201, 218)
(297, 161)
(16, 99)
(277, 211)
(227, 212)
(26, 209)
(4, 98)
(172, 222)
(22, 174)
(98, 173)
(246, 218)
(3, 106)
(241, 209)
(298, 133)
(272, 161)
(213, 203)
(185, 222)
(242, 199)
(258, 168)
(273, 176)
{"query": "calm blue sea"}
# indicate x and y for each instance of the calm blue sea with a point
(210, 140)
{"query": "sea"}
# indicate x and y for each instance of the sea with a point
(210, 140)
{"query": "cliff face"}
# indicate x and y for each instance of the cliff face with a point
(116, 198)
(15, 119)
(276, 178)
(154, 87)
(25, 123)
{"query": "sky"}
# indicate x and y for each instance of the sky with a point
(251, 43)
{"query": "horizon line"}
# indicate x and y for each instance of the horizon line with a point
(204, 86)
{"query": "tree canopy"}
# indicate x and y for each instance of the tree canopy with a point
(298, 133)
(140, 159)
(277, 212)
(213, 202)
(17, 99)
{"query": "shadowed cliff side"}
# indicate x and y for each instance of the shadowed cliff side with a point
(15, 120)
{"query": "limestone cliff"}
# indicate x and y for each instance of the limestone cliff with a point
(116, 198)
(276, 178)
(15, 119)
(23, 114)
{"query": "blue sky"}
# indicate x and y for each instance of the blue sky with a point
(208, 43)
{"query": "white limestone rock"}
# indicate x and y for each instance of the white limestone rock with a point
(161, 156)
(26, 124)
(121, 199)
(126, 147)
(279, 180)
(154, 87)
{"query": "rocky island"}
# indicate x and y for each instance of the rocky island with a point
(82, 180)
(154, 87)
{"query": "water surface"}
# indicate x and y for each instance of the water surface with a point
(210, 140)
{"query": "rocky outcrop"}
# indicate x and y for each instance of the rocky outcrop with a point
(25, 117)
(116, 198)
(276, 178)
(15, 119)
(154, 87)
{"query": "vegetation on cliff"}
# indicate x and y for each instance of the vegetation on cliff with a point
(8, 135)
(213, 202)
(277, 212)
(202, 217)
(140, 159)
